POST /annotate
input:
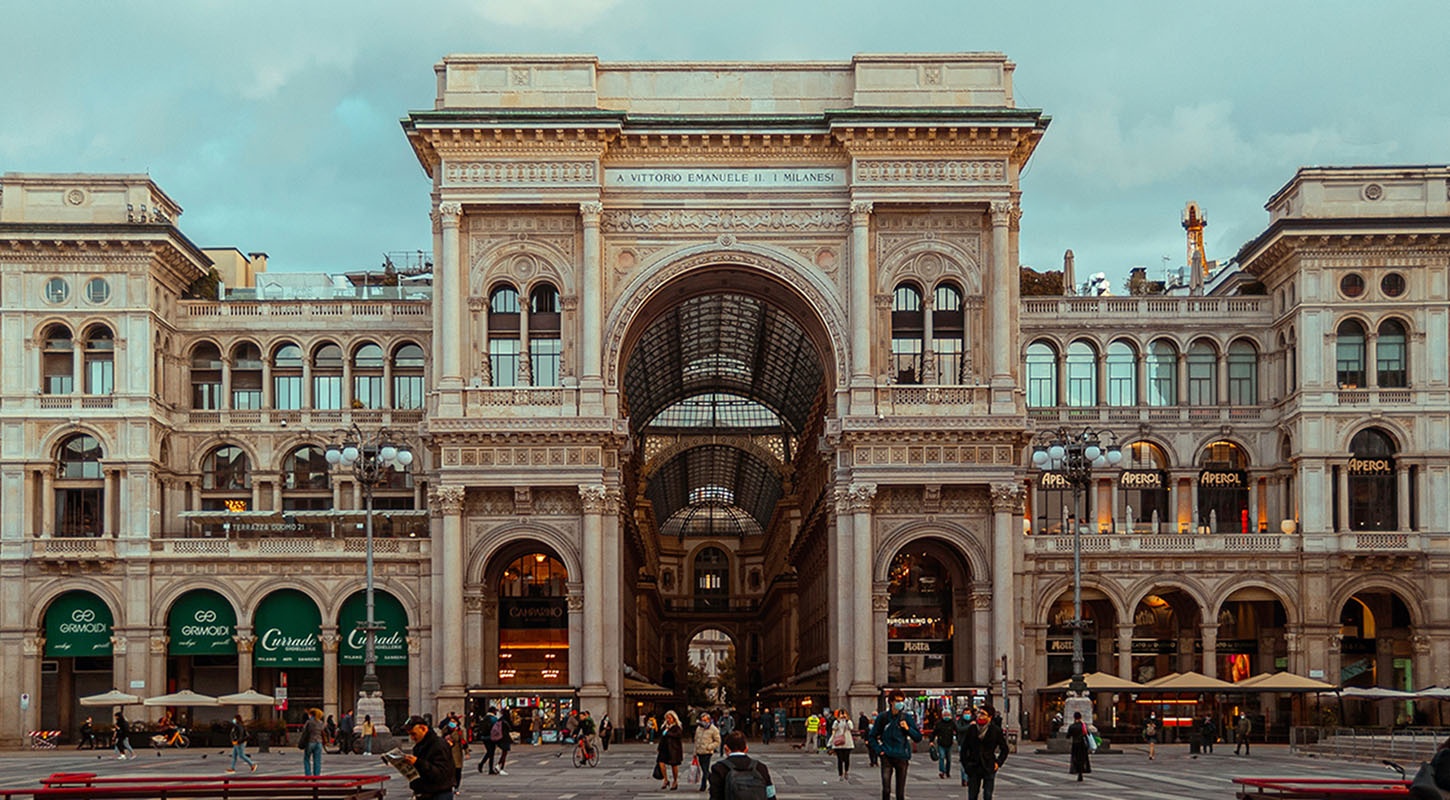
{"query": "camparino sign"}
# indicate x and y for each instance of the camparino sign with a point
(287, 625)
(202, 623)
(78, 624)
(533, 612)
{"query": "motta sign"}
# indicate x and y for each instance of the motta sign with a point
(918, 646)
(1371, 466)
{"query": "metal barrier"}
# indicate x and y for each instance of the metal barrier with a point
(78, 785)
(1367, 744)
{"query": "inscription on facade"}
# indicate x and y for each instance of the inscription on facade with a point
(669, 178)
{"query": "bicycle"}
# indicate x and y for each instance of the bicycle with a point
(585, 753)
(177, 738)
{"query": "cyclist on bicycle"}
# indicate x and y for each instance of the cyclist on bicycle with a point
(586, 733)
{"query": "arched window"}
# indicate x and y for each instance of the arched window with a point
(1122, 375)
(57, 361)
(1286, 381)
(80, 491)
(246, 376)
(226, 483)
(545, 325)
(367, 376)
(1082, 375)
(327, 377)
(948, 333)
(1202, 375)
(99, 357)
(1162, 374)
(287, 377)
(1349, 355)
(408, 377)
(306, 484)
(533, 635)
(908, 326)
(206, 377)
(920, 617)
(1145, 482)
(712, 579)
(1041, 375)
(1243, 374)
(1373, 490)
(503, 336)
(1390, 356)
(1223, 490)
(1293, 361)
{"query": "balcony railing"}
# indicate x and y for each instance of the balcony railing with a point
(712, 605)
(1159, 308)
(367, 417)
(328, 312)
(1197, 415)
(275, 546)
(1357, 542)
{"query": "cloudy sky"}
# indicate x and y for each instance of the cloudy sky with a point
(275, 124)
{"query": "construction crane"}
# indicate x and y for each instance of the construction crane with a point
(1194, 222)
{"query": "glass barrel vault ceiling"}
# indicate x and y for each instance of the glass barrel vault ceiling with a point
(728, 365)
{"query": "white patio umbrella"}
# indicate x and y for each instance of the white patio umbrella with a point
(185, 697)
(115, 697)
(1375, 693)
(251, 697)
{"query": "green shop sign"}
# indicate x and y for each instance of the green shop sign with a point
(78, 624)
(390, 640)
(202, 623)
(287, 625)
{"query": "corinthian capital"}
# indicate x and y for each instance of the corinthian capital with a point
(1002, 212)
(598, 498)
(1007, 497)
(449, 214)
(861, 207)
(590, 210)
(450, 499)
(855, 498)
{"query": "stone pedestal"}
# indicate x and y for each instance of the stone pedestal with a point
(371, 704)
(1077, 704)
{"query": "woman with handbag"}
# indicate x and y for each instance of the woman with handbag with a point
(1078, 734)
(671, 751)
(842, 743)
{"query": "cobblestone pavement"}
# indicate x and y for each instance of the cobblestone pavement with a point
(545, 773)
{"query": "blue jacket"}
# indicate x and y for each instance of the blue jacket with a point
(888, 737)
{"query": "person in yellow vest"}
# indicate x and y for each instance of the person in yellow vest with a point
(812, 723)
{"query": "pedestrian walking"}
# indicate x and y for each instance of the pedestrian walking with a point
(863, 731)
(1242, 729)
(314, 731)
(892, 733)
(842, 743)
(505, 741)
(1210, 733)
(345, 732)
(812, 722)
(984, 750)
(122, 734)
(606, 732)
(489, 731)
(238, 736)
(671, 751)
(457, 743)
(1077, 733)
(707, 741)
(369, 730)
(431, 758)
(1150, 735)
(331, 728)
(767, 725)
(943, 735)
(737, 776)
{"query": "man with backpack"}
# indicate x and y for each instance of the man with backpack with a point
(737, 776)
(488, 730)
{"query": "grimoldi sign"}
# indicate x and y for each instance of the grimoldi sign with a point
(533, 612)
(287, 626)
(78, 624)
(202, 623)
(667, 178)
(1371, 466)
(1142, 479)
(1215, 479)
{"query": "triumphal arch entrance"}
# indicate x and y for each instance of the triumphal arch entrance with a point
(725, 354)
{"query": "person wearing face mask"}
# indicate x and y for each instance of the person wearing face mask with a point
(984, 750)
(892, 734)
(432, 760)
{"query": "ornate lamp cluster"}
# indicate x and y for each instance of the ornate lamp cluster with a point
(1073, 455)
(372, 459)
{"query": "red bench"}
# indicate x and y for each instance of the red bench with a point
(88, 785)
(1320, 788)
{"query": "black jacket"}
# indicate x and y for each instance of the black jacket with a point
(983, 749)
(720, 769)
(434, 765)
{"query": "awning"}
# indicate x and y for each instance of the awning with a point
(1286, 682)
(185, 697)
(221, 516)
(115, 697)
(1375, 693)
(287, 625)
(250, 697)
(1098, 682)
(78, 624)
(634, 688)
(390, 638)
(1187, 682)
(202, 623)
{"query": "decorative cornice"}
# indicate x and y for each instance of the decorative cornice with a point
(712, 221)
(521, 173)
(891, 171)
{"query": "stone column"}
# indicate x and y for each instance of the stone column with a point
(1402, 497)
(575, 600)
(330, 640)
(1125, 651)
(854, 573)
(1253, 505)
(928, 359)
(1342, 501)
(477, 669)
(983, 638)
(479, 307)
(1006, 510)
(1140, 383)
(880, 607)
(861, 292)
(1221, 378)
(447, 602)
(245, 642)
(1182, 379)
(47, 501)
(157, 645)
(1004, 275)
(449, 286)
(1210, 648)
(591, 298)
(598, 500)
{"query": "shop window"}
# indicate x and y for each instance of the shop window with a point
(1223, 490)
(1373, 488)
(919, 622)
(533, 633)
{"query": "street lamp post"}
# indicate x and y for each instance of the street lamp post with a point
(372, 459)
(1072, 455)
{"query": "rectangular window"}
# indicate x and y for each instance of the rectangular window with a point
(503, 356)
(287, 392)
(948, 360)
(1081, 383)
(1243, 382)
(544, 354)
(367, 391)
(1391, 367)
(1121, 383)
(906, 360)
(1201, 383)
(206, 396)
(408, 391)
(100, 377)
(1162, 384)
(1349, 364)
(1041, 384)
(327, 391)
(246, 399)
(78, 512)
